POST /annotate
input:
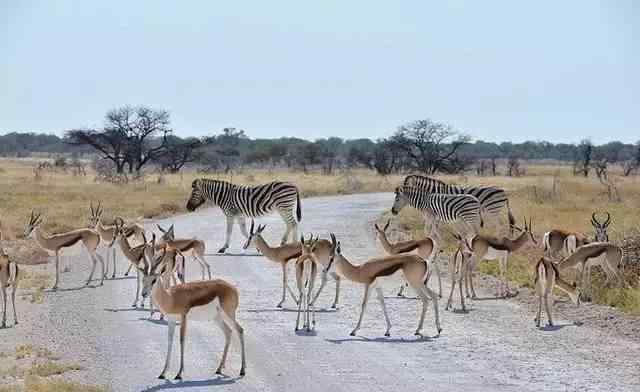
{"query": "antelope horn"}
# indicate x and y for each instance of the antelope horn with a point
(594, 221)
(387, 225)
(606, 223)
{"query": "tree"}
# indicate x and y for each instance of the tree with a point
(130, 136)
(329, 150)
(430, 146)
(179, 152)
(582, 161)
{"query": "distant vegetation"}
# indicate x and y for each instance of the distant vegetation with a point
(137, 137)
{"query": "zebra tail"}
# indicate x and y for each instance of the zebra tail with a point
(298, 207)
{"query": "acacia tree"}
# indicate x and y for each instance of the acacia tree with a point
(132, 136)
(179, 152)
(430, 146)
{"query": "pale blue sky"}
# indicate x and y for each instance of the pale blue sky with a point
(497, 70)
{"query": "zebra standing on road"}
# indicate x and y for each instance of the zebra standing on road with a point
(239, 202)
(492, 199)
(461, 209)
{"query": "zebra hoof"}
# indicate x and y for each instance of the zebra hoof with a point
(222, 250)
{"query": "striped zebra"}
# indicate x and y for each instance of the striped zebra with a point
(440, 207)
(492, 199)
(239, 202)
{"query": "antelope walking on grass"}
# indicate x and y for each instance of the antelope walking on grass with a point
(548, 277)
(423, 248)
(369, 274)
(176, 302)
(490, 248)
(8, 277)
(56, 242)
(278, 254)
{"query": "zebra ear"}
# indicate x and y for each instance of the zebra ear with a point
(195, 183)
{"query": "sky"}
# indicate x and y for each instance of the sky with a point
(498, 71)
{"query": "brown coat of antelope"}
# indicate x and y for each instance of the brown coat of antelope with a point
(56, 242)
(306, 271)
(548, 277)
(491, 248)
(176, 302)
(192, 246)
(278, 254)
(8, 277)
(370, 273)
(423, 248)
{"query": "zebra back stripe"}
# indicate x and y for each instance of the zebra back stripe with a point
(447, 208)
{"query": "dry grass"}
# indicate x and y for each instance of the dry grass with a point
(38, 369)
(64, 199)
(557, 199)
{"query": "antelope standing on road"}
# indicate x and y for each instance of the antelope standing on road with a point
(548, 277)
(306, 271)
(135, 255)
(192, 246)
(491, 248)
(176, 302)
(278, 254)
(424, 248)
(56, 242)
(108, 234)
(8, 277)
(413, 267)
(457, 271)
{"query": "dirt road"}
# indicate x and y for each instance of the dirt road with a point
(494, 347)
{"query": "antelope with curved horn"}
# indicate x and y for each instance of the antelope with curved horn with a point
(603, 254)
(56, 242)
(548, 277)
(306, 271)
(278, 254)
(176, 302)
(424, 248)
(168, 263)
(135, 255)
(491, 248)
(601, 228)
(370, 273)
(191, 246)
(8, 277)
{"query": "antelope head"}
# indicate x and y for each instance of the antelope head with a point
(34, 221)
(167, 234)
(253, 234)
(601, 228)
(96, 215)
(335, 250)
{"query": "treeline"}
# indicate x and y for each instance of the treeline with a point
(134, 137)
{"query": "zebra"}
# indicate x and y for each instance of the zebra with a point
(462, 209)
(492, 199)
(240, 201)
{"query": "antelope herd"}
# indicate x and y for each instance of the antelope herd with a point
(160, 265)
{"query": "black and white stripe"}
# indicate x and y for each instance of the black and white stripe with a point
(446, 208)
(492, 199)
(241, 201)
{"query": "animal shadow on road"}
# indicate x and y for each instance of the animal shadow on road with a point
(380, 340)
(287, 310)
(91, 286)
(180, 385)
(557, 327)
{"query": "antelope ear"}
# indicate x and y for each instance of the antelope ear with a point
(171, 228)
(376, 226)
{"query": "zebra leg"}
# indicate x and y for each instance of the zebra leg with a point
(227, 238)
(242, 222)
(291, 226)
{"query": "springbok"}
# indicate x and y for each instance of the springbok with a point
(601, 234)
(424, 248)
(56, 242)
(191, 246)
(457, 271)
(176, 302)
(278, 254)
(306, 271)
(548, 277)
(603, 254)
(491, 248)
(369, 274)
(561, 242)
(135, 255)
(108, 234)
(8, 277)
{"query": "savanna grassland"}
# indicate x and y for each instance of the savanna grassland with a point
(549, 194)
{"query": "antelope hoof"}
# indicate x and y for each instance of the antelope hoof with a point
(439, 331)
(3, 325)
(219, 371)
(126, 274)
(162, 377)
(387, 334)
(178, 377)
(353, 333)
(242, 372)
(279, 305)
(418, 333)
(334, 306)
(113, 276)
(222, 250)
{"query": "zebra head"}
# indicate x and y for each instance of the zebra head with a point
(253, 234)
(601, 228)
(400, 201)
(197, 197)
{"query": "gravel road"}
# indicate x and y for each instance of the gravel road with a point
(494, 347)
